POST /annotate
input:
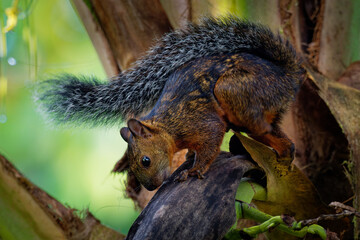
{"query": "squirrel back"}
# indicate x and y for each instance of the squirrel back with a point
(72, 99)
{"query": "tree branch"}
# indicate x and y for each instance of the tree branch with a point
(37, 215)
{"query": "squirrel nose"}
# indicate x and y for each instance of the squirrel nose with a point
(154, 182)
(150, 186)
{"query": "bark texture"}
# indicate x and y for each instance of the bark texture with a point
(27, 212)
(196, 208)
(327, 149)
(128, 28)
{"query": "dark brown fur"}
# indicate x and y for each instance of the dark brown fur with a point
(200, 102)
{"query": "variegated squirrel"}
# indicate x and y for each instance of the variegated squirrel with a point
(186, 92)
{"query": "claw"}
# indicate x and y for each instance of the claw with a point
(185, 173)
(292, 151)
(182, 176)
(288, 154)
(199, 174)
(196, 173)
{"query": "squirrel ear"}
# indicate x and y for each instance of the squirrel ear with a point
(122, 164)
(138, 129)
(125, 133)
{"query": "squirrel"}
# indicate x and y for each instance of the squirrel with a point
(195, 84)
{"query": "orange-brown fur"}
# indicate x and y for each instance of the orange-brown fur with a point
(200, 102)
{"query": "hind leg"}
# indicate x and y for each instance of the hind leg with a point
(245, 111)
(277, 139)
(243, 103)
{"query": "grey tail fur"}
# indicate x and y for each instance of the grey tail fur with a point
(72, 99)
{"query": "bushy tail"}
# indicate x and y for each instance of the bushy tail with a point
(68, 98)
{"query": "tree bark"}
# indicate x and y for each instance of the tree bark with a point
(176, 208)
(126, 29)
(27, 212)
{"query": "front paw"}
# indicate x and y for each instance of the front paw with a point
(196, 172)
(182, 176)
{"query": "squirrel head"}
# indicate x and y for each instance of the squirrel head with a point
(149, 152)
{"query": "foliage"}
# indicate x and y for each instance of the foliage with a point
(73, 165)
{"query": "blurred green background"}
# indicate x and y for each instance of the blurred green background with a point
(71, 164)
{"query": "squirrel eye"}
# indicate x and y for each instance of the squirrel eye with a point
(145, 161)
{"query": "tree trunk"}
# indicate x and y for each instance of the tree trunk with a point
(27, 212)
(122, 31)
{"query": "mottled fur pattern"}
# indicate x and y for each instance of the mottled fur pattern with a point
(71, 99)
(203, 99)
